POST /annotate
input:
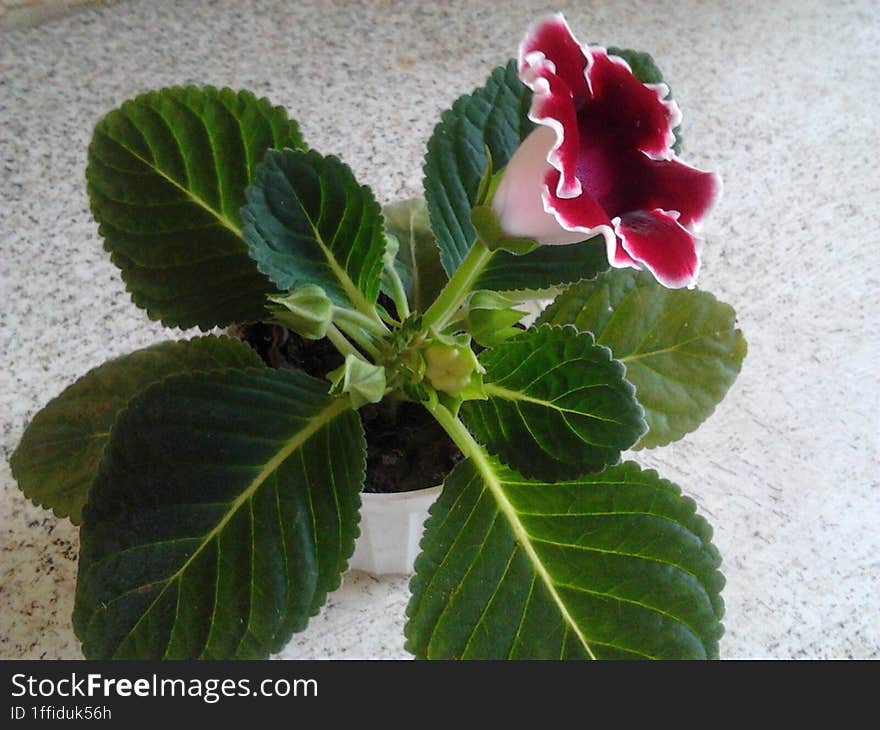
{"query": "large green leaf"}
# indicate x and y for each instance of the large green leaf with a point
(681, 347)
(418, 258)
(308, 221)
(494, 117)
(558, 405)
(611, 566)
(225, 509)
(167, 175)
(57, 459)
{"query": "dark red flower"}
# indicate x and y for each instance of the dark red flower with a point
(601, 161)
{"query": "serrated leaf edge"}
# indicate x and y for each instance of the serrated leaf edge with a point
(334, 408)
(55, 510)
(352, 291)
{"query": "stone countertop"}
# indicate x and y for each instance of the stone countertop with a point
(777, 97)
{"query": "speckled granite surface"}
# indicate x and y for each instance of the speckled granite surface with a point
(26, 13)
(780, 98)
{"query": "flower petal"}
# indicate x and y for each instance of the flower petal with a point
(619, 258)
(656, 239)
(551, 39)
(554, 66)
(582, 215)
(518, 199)
(552, 107)
(624, 181)
(625, 112)
(676, 186)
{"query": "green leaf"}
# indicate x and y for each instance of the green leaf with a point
(611, 566)
(493, 117)
(166, 178)
(225, 509)
(308, 221)
(545, 266)
(646, 70)
(418, 258)
(681, 347)
(57, 459)
(558, 405)
(491, 317)
(489, 118)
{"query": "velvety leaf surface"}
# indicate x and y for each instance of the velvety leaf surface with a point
(681, 347)
(493, 116)
(418, 258)
(57, 459)
(558, 404)
(225, 509)
(308, 221)
(167, 175)
(612, 566)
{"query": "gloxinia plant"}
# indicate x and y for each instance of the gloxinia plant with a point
(218, 486)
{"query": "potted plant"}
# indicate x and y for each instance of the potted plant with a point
(218, 480)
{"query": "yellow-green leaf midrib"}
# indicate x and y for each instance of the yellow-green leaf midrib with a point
(291, 445)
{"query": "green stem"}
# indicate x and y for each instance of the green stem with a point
(456, 431)
(387, 318)
(349, 316)
(458, 287)
(354, 332)
(398, 293)
(341, 344)
(479, 458)
(376, 319)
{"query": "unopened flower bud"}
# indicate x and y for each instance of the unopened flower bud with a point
(307, 310)
(450, 367)
(362, 381)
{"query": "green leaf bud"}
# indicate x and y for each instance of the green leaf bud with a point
(491, 318)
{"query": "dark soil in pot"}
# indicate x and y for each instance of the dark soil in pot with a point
(406, 448)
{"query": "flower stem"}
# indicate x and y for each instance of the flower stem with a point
(387, 318)
(456, 430)
(354, 332)
(398, 293)
(459, 286)
(340, 343)
(349, 316)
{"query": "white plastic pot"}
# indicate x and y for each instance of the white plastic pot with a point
(391, 528)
